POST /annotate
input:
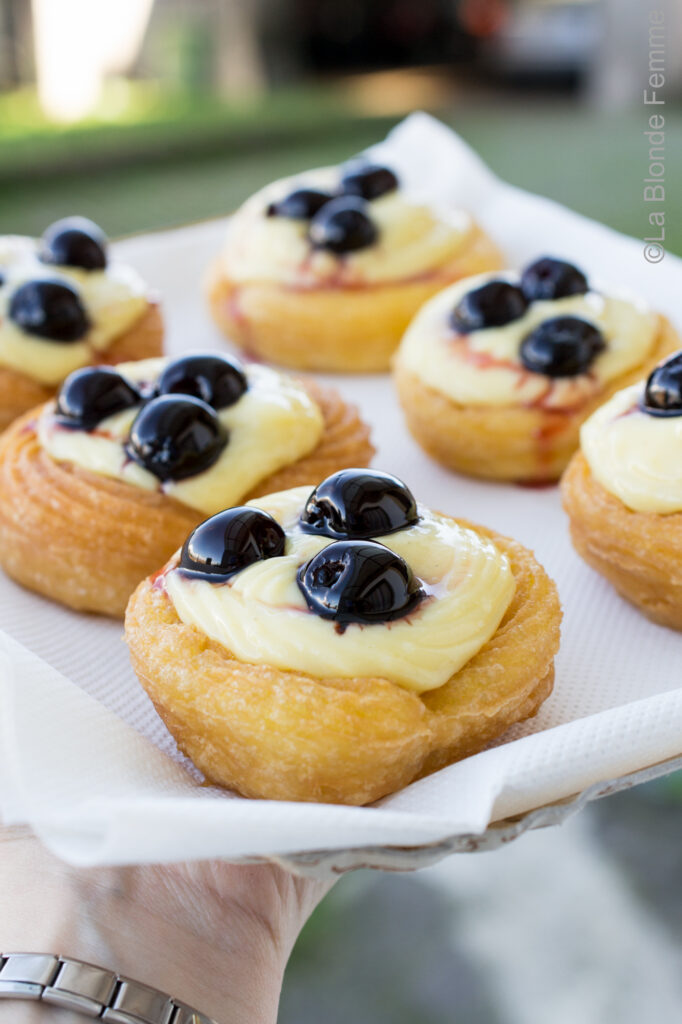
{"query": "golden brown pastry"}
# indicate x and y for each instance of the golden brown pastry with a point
(65, 305)
(324, 271)
(83, 519)
(623, 493)
(340, 670)
(496, 375)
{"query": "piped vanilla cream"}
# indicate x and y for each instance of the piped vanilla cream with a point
(635, 456)
(274, 423)
(413, 240)
(484, 366)
(261, 616)
(114, 299)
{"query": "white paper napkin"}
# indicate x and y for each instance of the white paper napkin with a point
(84, 758)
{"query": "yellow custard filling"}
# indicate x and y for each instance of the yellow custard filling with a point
(635, 456)
(261, 616)
(274, 423)
(484, 368)
(413, 240)
(114, 298)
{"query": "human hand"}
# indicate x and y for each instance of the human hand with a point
(216, 936)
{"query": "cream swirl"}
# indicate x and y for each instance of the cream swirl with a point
(274, 423)
(413, 240)
(114, 298)
(261, 616)
(484, 367)
(635, 456)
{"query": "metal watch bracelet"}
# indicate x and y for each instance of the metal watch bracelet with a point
(92, 991)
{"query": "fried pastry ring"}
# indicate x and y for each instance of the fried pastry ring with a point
(289, 736)
(515, 443)
(87, 540)
(19, 393)
(348, 330)
(640, 553)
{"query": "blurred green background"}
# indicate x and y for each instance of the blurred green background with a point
(144, 114)
(212, 164)
(209, 99)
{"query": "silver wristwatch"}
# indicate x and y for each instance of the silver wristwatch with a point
(74, 985)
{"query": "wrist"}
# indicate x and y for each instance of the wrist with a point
(214, 936)
(233, 983)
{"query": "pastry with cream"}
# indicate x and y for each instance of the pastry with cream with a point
(497, 373)
(98, 488)
(336, 644)
(623, 493)
(65, 304)
(324, 271)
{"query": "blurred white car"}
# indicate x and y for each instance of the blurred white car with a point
(544, 39)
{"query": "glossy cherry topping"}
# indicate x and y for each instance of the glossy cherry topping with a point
(359, 581)
(92, 394)
(663, 391)
(175, 437)
(74, 242)
(370, 181)
(343, 225)
(492, 305)
(548, 278)
(217, 380)
(359, 503)
(562, 347)
(301, 204)
(49, 308)
(230, 541)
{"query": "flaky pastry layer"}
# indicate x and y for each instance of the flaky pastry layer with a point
(288, 736)
(86, 540)
(640, 553)
(334, 328)
(19, 393)
(508, 442)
